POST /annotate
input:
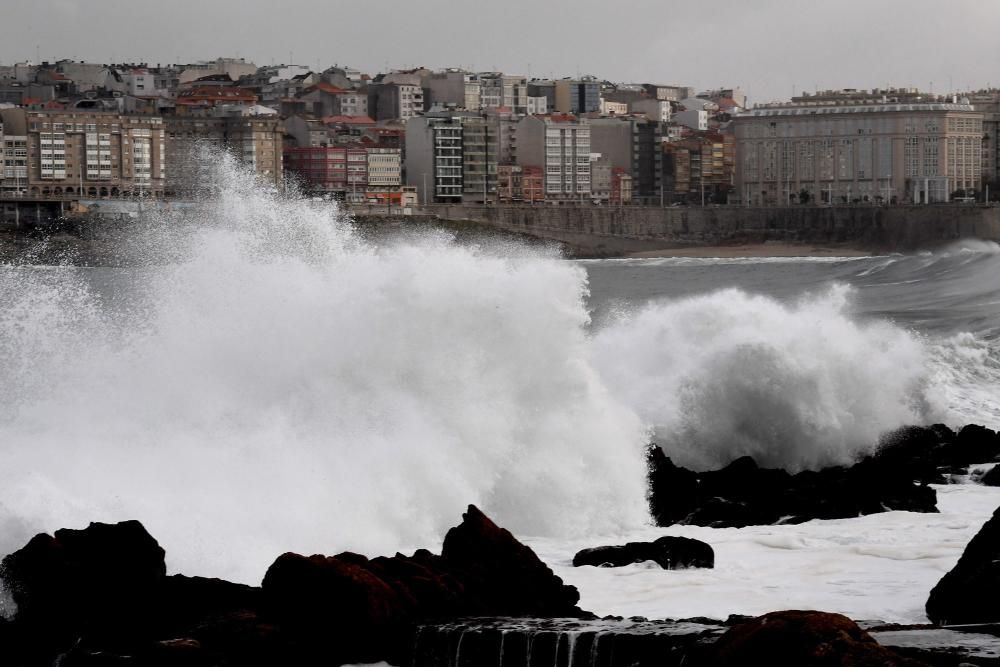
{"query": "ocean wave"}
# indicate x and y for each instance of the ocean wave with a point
(797, 386)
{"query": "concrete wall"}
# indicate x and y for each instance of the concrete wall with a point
(607, 230)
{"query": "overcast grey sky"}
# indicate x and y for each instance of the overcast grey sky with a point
(767, 48)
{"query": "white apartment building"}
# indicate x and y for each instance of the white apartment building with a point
(914, 152)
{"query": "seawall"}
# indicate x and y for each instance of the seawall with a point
(596, 230)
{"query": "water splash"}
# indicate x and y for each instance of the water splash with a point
(270, 382)
(798, 386)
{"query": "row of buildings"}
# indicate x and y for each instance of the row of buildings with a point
(83, 130)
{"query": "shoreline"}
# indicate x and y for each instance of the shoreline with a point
(753, 250)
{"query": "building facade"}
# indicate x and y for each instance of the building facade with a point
(256, 142)
(577, 96)
(434, 157)
(632, 144)
(919, 152)
(560, 145)
(385, 169)
(82, 154)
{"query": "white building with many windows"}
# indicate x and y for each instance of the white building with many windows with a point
(857, 152)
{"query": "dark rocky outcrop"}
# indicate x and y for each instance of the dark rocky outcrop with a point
(101, 581)
(743, 494)
(895, 477)
(669, 552)
(365, 607)
(801, 639)
(992, 477)
(970, 592)
(101, 596)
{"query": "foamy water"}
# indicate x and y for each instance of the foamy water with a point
(877, 567)
(263, 380)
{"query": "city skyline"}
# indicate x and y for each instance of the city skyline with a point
(771, 53)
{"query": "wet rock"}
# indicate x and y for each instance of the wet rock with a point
(992, 477)
(101, 581)
(503, 576)
(363, 610)
(335, 605)
(741, 494)
(970, 592)
(801, 639)
(673, 489)
(669, 552)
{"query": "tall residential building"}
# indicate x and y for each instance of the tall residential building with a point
(633, 144)
(90, 154)
(256, 141)
(480, 149)
(434, 157)
(451, 156)
(914, 152)
(560, 145)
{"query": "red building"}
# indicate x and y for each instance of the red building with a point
(340, 170)
(207, 97)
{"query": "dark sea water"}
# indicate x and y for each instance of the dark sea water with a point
(951, 291)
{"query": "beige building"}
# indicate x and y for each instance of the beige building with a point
(255, 140)
(83, 154)
(385, 169)
(857, 152)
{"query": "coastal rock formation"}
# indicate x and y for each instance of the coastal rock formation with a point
(669, 552)
(801, 639)
(482, 570)
(742, 494)
(895, 477)
(969, 593)
(101, 581)
(101, 596)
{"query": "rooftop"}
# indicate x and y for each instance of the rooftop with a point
(763, 112)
